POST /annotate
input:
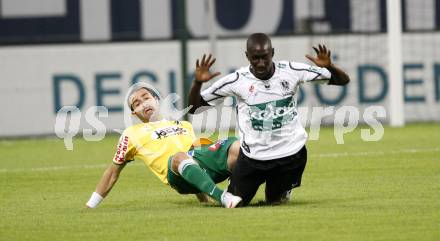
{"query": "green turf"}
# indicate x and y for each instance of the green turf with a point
(386, 190)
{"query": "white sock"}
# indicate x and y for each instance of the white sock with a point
(183, 164)
(94, 200)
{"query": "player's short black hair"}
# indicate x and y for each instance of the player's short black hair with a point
(257, 38)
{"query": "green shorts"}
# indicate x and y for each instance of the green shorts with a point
(213, 159)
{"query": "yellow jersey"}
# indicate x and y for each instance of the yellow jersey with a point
(154, 143)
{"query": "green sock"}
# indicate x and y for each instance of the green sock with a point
(198, 178)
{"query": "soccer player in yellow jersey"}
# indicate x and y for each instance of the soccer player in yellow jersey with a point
(166, 147)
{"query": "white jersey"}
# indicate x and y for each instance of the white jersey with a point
(266, 109)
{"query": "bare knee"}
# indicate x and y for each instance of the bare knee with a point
(177, 159)
(233, 152)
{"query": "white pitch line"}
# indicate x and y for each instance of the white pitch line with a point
(375, 153)
(336, 154)
(58, 168)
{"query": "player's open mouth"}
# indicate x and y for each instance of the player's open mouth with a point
(146, 111)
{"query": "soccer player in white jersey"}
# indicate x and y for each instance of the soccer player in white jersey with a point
(272, 138)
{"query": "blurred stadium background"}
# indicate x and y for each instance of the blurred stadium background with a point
(85, 53)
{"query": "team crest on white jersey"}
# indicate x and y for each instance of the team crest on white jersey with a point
(285, 85)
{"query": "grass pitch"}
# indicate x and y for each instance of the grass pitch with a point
(386, 190)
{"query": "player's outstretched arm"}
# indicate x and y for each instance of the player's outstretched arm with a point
(323, 59)
(202, 75)
(108, 180)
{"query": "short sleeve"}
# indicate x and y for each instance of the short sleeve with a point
(125, 150)
(308, 73)
(221, 89)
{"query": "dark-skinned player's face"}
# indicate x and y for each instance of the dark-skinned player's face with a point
(260, 58)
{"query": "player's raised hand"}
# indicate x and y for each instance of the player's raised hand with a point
(202, 73)
(323, 58)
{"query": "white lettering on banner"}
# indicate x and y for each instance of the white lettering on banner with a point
(156, 19)
(365, 15)
(306, 12)
(271, 10)
(32, 8)
(420, 14)
(95, 20)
